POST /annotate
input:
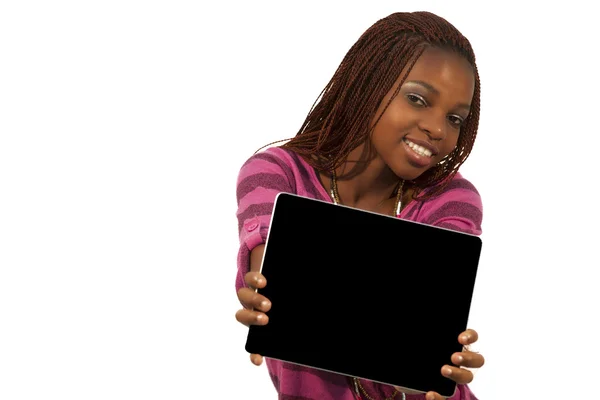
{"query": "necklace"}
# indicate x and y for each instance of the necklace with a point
(336, 197)
(358, 386)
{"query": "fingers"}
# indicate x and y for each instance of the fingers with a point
(249, 317)
(256, 359)
(468, 337)
(252, 300)
(255, 305)
(458, 375)
(468, 359)
(434, 396)
(255, 280)
(464, 359)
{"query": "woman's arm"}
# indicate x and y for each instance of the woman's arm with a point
(260, 180)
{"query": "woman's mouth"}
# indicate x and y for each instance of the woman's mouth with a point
(418, 155)
(419, 150)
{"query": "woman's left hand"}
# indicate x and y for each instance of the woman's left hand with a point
(466, 358)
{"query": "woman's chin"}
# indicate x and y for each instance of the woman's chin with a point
(407, 174)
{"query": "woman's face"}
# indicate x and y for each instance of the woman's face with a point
(422, 124)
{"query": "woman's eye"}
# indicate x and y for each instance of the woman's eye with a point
(455, 120)
(416, 99)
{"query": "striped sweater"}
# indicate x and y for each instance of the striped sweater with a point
(276, 170)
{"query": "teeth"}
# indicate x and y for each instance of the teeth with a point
(420, 150)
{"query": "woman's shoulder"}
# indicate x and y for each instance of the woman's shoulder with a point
(460, 184)
(280, 161)
(457, 206)
(459, 187)
(273, 158)
(283, 169)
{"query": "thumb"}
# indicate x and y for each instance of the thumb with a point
(256, 359)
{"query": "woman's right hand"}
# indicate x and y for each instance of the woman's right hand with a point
(255, 306)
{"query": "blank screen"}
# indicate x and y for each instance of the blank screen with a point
(363, 294)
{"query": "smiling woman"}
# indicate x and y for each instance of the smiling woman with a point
(388, 135)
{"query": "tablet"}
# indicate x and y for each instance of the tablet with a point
(363, 294)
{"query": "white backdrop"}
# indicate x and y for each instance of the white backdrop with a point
(123, 125)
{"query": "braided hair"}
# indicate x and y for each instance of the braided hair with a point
(341, 117)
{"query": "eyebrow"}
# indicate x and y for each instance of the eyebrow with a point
(435, 91)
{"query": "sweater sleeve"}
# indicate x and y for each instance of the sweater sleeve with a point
(260, 179)
(463, 392)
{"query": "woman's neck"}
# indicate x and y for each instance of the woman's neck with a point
(364, 181)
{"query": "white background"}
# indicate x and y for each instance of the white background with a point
(123, 125)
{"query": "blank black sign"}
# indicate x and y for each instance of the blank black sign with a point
(363, 294)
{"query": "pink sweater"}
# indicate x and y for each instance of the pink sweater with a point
(279, 170)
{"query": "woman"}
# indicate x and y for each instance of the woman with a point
(387, 135)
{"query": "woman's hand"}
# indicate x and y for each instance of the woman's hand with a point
(255, 306)
(466, 359)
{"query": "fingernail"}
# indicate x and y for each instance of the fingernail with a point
(430, 397)
(448, 371)
(465, 338)
(264, 304)
(260, 317)
(460, 358)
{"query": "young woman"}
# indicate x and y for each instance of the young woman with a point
(387, 135)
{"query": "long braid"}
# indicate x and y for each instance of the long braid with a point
(340, 119)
